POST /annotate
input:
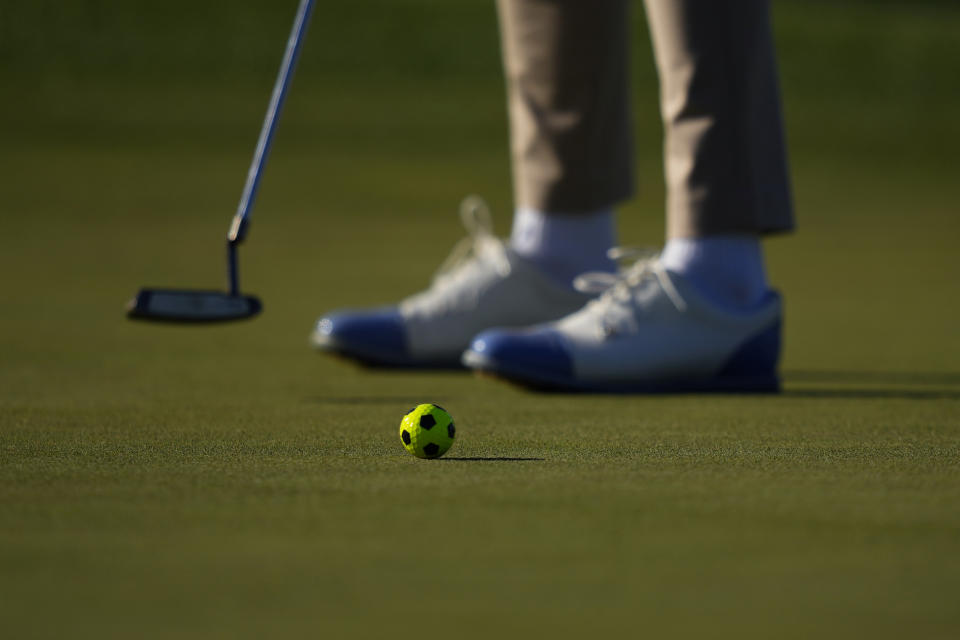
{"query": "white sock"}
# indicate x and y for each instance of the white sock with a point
(727, 269)
(564, 245)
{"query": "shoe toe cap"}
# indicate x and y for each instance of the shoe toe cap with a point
(537, 357)
(374, 335)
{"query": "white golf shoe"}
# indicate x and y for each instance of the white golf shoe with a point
(650, 331)
(482, 284)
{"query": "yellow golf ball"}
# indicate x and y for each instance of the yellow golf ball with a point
(427, 431)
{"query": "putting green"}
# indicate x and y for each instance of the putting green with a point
(227, 482)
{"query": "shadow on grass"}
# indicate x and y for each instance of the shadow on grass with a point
(904, 385)
(403, 399)
(874, 377)
(492, 459)
(899, 394)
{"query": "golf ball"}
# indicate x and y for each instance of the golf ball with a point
(427, 431)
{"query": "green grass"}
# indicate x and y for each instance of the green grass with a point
(227, 482)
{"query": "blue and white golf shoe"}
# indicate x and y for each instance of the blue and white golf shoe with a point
(482, 284)
(649, 331)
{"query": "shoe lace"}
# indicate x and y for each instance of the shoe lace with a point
(617, 289)
(479, 241)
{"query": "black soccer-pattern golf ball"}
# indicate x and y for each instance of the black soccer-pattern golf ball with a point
(427, 431)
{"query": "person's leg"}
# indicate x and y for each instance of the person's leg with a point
(724, 155)
(566, 64)
(699, 317)
(566, 67)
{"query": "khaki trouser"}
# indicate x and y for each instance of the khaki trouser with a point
(566, 63)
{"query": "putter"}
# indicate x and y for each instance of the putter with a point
(193, 305)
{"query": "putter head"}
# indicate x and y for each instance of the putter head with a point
(190, 306)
